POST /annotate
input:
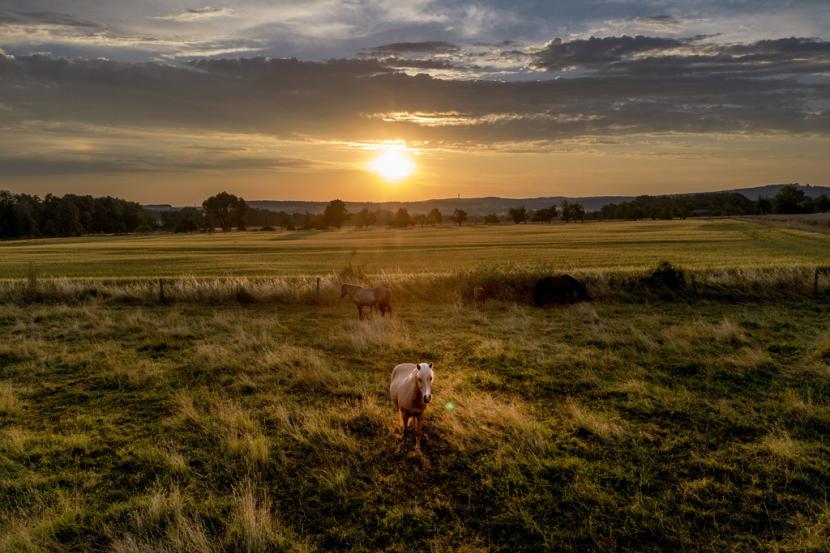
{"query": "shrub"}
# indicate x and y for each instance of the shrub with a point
(667, 276)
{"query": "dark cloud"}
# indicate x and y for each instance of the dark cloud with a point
(769, 86)
(206, 9)
(594, 52)
(656, 56)
(117, 163)
(44, 18)
(428, 47)
(418, 63)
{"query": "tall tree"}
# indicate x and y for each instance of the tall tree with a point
(335, 214)
(545, 215)
(434, 217)
(459, 216)
(789, 200)
(224, 210)
(518, 214)
(401, 218)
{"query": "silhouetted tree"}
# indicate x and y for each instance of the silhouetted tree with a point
(309, 221)
(572, 211)
(402, 218)
(545, 215)
(459, 216)
(518, 214)
(434, 217)
(224, 210)
(790, 200)
(764, 206)
(363, 218)
(335, 214)
(491, 219)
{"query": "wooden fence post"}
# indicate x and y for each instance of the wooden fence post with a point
(815, 282)
(318, 290)
(162, 299)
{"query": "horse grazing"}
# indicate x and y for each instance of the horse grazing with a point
(411, 392)
(368, 297)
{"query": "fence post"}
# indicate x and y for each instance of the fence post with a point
(694, 284)
(162, 299)
(815, 282)
(318, 290)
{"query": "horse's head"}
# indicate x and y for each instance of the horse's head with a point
(425, 377)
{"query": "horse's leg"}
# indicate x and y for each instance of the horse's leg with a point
(418, 432)
(405, 419)
(359, 311)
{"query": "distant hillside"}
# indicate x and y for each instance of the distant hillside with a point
(473, 206)
(160, 207)
(493, 204)
(771, 190)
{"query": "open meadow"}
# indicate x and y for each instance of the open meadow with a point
(607, 246)
(255, 416)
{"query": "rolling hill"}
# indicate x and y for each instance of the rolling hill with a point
(492, 204)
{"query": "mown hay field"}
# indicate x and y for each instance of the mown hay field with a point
(608, 246)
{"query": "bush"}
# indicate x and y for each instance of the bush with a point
(667, 276)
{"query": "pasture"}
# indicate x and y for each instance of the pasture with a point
(608, 246)
(262, 421)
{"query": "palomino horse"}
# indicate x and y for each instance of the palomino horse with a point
(368, 297)
(411, 392)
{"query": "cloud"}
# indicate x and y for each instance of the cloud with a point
(44, 18)
(47, 165)
(427, 47)
(631, 86)
(196, 14)
(418, 63)
(559, 54)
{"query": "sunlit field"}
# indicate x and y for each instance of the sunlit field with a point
(260, 428)
(695, 244)
(251, 412)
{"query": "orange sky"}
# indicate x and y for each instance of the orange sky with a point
(294, 101)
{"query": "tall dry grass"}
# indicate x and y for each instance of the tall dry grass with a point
(513, 285)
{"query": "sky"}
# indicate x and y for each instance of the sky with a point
(171, 101)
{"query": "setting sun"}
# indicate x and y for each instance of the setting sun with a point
(393, 164)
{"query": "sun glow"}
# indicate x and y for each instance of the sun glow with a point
(393, 163)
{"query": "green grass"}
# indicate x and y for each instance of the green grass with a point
(249, 414)
(605, 426)
(694, 244)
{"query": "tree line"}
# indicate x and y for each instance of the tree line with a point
(570, 212)
(25, 216)
(789, 200)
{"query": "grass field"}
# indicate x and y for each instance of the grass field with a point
(252, 415)
(695, 244)
(593, 427)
